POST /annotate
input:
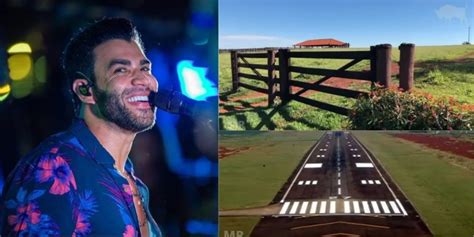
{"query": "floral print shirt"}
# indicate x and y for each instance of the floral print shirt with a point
(68, 186)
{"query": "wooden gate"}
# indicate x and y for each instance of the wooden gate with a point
(380, 72)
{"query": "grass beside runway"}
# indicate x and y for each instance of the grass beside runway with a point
(441, 189)
(252, 177)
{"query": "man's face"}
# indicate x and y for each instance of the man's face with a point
(123, 83)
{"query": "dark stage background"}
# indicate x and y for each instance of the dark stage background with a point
(177, 159)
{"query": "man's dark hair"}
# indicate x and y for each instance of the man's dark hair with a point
(78, 57)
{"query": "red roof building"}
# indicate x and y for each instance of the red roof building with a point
(322, 43)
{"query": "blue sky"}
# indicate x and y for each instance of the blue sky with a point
(282, 23)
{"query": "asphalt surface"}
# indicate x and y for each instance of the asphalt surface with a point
(340, 189)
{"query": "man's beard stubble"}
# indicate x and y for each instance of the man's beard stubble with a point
(112, 109)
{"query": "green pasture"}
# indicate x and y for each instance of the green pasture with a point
(439, 70)
(438, 184)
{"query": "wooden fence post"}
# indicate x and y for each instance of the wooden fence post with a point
(285, 74)
(373, 64)
(271, 76)
(407, 65)
(383, 64)
(234, 60)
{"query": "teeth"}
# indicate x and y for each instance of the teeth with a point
(138, 98)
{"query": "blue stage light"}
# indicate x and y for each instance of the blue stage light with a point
(193, 81)
(201, 227)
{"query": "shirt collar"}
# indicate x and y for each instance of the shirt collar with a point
(90, 143)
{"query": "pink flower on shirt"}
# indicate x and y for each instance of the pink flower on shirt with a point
(25, 214)
(129, 231)
(56, 169)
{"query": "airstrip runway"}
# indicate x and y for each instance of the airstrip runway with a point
(340, 189)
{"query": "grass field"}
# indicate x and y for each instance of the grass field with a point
(441, 190)
(439, 187)
(253, 177)
(440, 70)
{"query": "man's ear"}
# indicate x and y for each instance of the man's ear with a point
(83, 89)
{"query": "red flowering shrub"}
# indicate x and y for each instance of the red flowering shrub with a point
(395, 110)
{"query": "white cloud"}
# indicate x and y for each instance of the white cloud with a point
(450, 12)
(253, 41)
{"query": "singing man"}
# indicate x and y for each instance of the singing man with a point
(81, 182)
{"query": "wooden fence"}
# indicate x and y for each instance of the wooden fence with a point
(380, 71)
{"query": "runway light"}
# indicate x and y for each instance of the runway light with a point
(19, 48)
(20, 66)
(193, 81)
